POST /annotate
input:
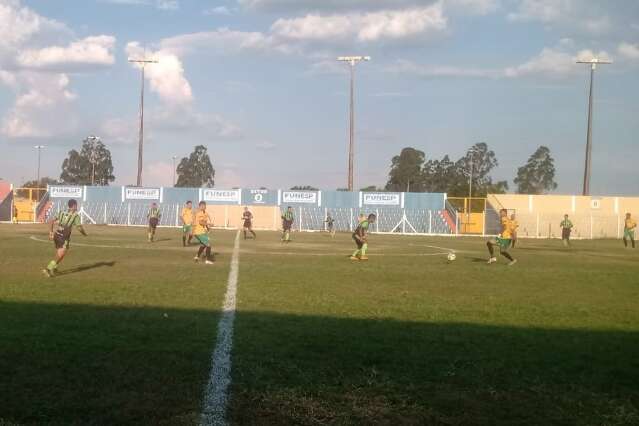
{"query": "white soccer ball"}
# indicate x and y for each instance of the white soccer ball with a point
(451, 257)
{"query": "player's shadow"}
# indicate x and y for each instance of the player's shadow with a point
(159, 240)
(86, 267)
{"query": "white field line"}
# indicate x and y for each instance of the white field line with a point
(216, 396)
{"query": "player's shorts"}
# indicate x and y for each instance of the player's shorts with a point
(565, 233)
(287, 225)
(153, 222)
(203, 239)
(60, 241)
(629, 233)
(358, 242)
(248, 224)
(503, 243)
(186, 229)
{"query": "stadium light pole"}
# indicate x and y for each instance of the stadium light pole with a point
(352, 61)
(93, 140)
(142, 62)
(39, 148)
(174, 158)
(593, 66)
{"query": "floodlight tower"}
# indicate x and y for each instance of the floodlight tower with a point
(39, 148)
(352, 61)
(94, 140)
(142, 63)
(593, 66)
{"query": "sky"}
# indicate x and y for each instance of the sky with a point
(257, 83)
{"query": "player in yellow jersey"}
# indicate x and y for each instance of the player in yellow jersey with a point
(629, 227)
(515, 226)
(187, 223)
(503, 240)
(203, 223)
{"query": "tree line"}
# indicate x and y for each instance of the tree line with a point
(92, 165)
(410, 171)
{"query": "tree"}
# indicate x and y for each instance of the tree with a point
(372, 188)
(196, 171)
(303, 188)
(36, 184)
(483, 161)
(537, 176)
(441, 176)
(91, 165)
(342, 189)
(406, 171)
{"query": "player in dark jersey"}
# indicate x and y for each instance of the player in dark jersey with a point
(361, 238)
(330, 224)
(61, 237)
(154, 217)
(287, 224)
(247, 222)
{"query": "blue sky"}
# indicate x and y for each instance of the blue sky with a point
(256, 81)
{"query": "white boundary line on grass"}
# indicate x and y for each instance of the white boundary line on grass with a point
(216, 396)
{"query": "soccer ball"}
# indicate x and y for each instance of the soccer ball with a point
(451, 257)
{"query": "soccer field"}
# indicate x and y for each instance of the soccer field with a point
(124, 335)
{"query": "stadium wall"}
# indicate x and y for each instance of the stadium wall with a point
(539, 216)
(397, 212)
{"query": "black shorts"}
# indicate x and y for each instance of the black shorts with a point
(60, 241)
(565, 234)
(287, 225)
(248, 224)
(153, 222)
(358, 242)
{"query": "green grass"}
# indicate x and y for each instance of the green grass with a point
(406, 338)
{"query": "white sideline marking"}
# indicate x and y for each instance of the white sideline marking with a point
(216, 396)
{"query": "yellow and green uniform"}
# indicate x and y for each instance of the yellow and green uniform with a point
(187, 220)
(359, 236)
(287, 220)
(629, 228)
(66, 221)
(505, 237)
(200, 229)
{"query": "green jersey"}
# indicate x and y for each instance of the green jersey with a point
(361, 229)
(154, 213)
(566, 224)
(288, 216)
(66, 221)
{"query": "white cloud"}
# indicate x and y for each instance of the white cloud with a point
(265, 145)
(166, 77)
(628, 51)
(167, 4)
(159, 173)
(441, 71)
(550, 63)
(364, 27)
(120, 130)
(36, 56)
(96, 51)
(160, 4)
(219, 10)
(223, 40)
(184, 119)
(41, 107)
(584, 15)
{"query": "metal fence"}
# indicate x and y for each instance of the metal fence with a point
(307, 219)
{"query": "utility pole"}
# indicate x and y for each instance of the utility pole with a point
(174, 158)
(593, 66)
(352, 61)
(142, 62)
(39, 148)
(93, 140)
